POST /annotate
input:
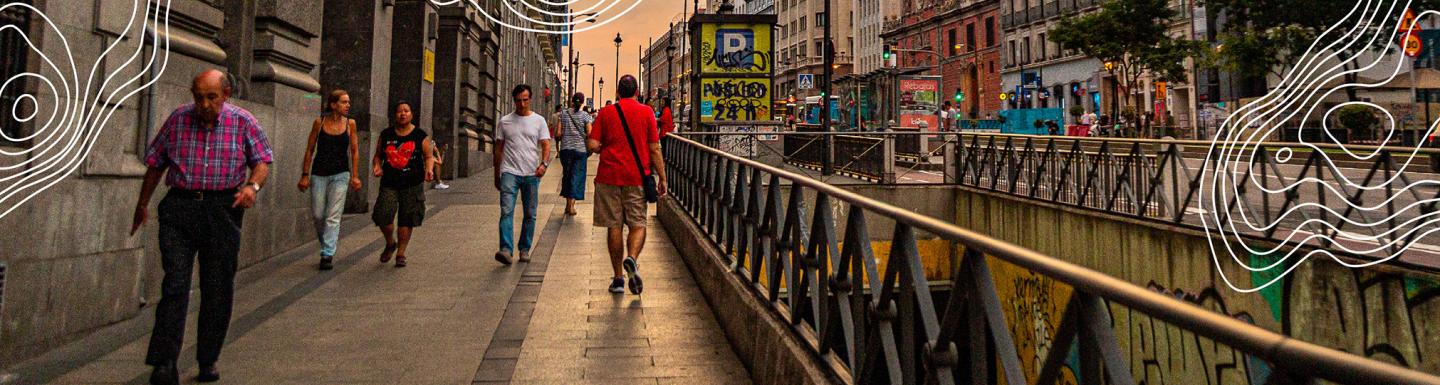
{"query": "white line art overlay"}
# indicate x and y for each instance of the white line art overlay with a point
(540, 16)
(1365, 40)
(72, 102)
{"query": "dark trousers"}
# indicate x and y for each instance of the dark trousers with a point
(189, 225)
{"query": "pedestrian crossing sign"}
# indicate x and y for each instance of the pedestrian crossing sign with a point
(807, 81)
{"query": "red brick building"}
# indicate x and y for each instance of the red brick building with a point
(962, 38)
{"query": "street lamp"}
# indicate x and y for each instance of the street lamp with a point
(669, 67)
(617, 56)
(602, 90)
(592, 77)
(574, 61)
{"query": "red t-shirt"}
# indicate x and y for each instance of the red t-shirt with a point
(667, 122)
(617, 165)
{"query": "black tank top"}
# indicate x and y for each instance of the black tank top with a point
(332, 155)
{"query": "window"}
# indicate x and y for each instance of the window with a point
(953, 42)
(802, 23)
(970, 37)
(1044, 45)
(1025, 50)
(12, 62)
(1013, 50)
(819, 19)
(990, 31)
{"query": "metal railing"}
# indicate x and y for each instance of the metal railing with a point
(1161, 180)
(875, 326)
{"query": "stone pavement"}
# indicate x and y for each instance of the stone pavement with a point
(453, 316)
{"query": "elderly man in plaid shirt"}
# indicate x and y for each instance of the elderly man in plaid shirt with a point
(207, 147)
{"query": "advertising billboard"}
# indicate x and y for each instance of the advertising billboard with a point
(919, 101)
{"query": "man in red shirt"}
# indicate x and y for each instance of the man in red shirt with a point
(619, 190)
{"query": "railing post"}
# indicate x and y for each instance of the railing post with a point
(951, 161)
(887, 171)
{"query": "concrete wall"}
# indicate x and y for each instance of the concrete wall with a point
(1375, 312)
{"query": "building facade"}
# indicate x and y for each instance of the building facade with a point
(1066, 77)
(799, 43)
(284, 56)
(957, 40)
(870, 18)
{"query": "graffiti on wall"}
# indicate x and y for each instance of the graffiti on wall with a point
(734, 99)
(734, 48)
(1033, 304)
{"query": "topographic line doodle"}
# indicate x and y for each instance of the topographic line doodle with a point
(1363, 40)
(80, 106)
(594, 14)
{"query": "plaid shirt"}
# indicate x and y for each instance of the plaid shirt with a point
(213, 159)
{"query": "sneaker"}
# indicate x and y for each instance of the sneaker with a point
(441, 186)
(617, 286)
(503, 257)
(525, 256)
(326, 263)
(632, 269)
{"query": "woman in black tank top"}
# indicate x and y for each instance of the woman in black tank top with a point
(329, 170)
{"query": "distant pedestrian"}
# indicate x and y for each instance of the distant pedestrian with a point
(203, 150)
(944, 117)
(332, 158)
(404, 162)
(439, 164)
(521, 157)
(572, 127)
(667, 119)
(629, 147)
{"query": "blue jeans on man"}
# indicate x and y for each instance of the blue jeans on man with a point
(528, 188)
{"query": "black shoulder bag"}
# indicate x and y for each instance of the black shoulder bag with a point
(651, 195)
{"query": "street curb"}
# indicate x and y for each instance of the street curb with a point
(772, 351)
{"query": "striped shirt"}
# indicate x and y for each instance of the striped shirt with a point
(208, 159)
(573, 137)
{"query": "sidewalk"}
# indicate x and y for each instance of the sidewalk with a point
(453, 316)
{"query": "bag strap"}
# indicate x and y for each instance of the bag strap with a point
(630, 139)
(573, 125)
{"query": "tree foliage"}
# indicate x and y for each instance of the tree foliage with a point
(1134, 36)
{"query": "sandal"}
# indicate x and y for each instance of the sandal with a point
(389, 251)
(399, 261)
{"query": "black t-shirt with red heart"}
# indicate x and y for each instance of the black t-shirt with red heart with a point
(403, 158)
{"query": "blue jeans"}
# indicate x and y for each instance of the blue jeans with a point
(528, 187)
(572, 186)
(327, 202)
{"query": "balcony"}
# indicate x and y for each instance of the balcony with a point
(1066, 7)
(1022, 18)
(1052, 9)
(1007, 21)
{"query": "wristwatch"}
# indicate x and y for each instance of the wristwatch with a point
(253, 184)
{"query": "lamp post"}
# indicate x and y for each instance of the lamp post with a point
(574, 61)
(617, 56)
(827, 55)
(602, 90)
(669, 59)
(592, 77)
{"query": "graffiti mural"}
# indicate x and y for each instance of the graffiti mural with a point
(1033, 305)
(734, 99)
(733, 48)
(1161, 353)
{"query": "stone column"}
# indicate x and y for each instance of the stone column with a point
(355, 57)
(414, 34)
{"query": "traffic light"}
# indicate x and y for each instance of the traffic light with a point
(886, 53)
(959, 95)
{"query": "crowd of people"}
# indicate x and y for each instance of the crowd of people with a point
(216, 158)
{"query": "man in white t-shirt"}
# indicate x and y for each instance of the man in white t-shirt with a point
(522, 153)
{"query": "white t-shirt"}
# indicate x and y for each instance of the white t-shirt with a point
(522, 136)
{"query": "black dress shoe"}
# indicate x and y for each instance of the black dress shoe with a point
(165, 374)
(208, 373)
(326, 263)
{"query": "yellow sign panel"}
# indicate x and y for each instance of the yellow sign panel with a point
(735, 48)
(429, 66)
(734, 99)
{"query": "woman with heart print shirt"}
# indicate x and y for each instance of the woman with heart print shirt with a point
(403, 162)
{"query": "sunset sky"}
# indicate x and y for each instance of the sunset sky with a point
(648, 20)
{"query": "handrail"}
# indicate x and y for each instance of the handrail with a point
(706, 188)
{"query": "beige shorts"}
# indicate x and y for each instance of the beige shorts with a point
(617, 206)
